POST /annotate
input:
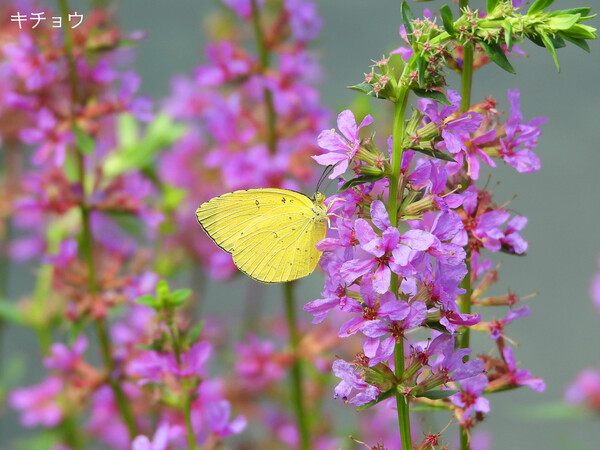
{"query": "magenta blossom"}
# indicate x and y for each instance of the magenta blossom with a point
(39, 404)
(352, 384)
(341, 148)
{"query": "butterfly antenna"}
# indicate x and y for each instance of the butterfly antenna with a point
(324, 175)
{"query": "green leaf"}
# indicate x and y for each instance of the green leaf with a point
(563, 22)
(194, 332)
(421, 69)
(550, 46)
(538, 6)
(407, 19)
(435, 325)
(438, 395)
(536, 40)
(583, 11)
(366, 88)
(362, 179)
(438, 96)
(10, 312)
(491, 5)
(496, 54)
(148, 300)
(179, 296)
(162, 288)
(581, 43)
(581, 31)
(447, 19)
(134, 153)
(508, 35)
(381, 397)
(434, 153)
(85, 143)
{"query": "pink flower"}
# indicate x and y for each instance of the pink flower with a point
(38, 404)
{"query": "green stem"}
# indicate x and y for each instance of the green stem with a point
(120, 398)
(296, 370)
(467, 77)
(187, 402)
(397, 150)
(87, 243)
(187, 413)
(263, 54)
(465, 300)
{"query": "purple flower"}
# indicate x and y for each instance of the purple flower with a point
(39, 404)
(218, 416)
(497, 326)
(256, 364)
(153, 366)
(341, 148)
(585, 389)
(451, 128)
(164, 433)
(389, 251)
(304, 20)
(350, 383)
(334, 294)
(451, 365)
(243, 8)
(470, 397)
(595, 289)
(50, 136)
(227, 64)
(512, 239)
(521, 377)
(64, 358)
(520, 138)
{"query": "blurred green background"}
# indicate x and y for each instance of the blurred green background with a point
(562, 200)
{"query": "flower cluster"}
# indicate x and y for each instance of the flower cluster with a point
(393, 281)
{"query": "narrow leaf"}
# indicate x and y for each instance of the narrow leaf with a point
(362, 179)
(381, 397)
(179, 296)
(9, 312)
(508, 36)
(85, 143)
(421, 70)
(407, 19)
(437, 395)
(496, 54)
(538, 6)
(366, 88)
(435, 325)
(581, 43)
(147, 300)
(438, 96)
(194, 333)
(583, 11)
(550, 46)
(448, 19)
(434, 153)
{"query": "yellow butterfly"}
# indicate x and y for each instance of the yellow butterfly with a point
(271, 233)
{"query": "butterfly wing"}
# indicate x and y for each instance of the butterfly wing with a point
(271, 233)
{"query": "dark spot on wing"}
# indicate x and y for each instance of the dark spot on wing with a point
(257, 203)
(282, 199)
